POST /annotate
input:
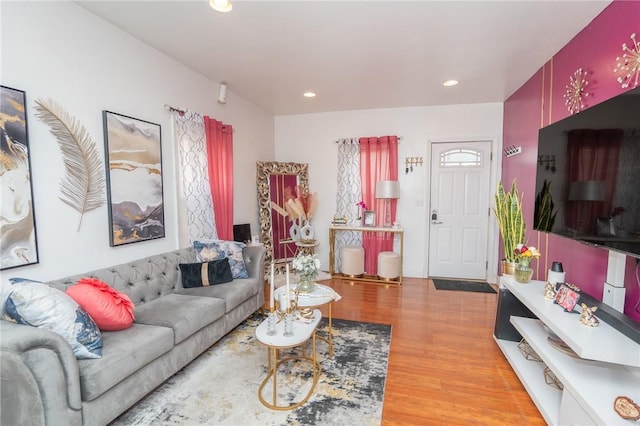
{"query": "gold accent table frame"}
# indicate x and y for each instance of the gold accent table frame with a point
(371, 278)
(302, 333)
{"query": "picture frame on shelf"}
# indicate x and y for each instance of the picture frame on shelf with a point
(567, 297)
(369, 218)
(606, 227)
(135, 198)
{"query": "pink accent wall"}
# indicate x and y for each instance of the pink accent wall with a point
(540, 102)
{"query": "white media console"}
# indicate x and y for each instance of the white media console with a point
(607, 366)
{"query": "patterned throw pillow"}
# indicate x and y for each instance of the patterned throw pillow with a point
(38, 305)
(219, 249)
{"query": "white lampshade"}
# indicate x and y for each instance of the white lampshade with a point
(387, 189)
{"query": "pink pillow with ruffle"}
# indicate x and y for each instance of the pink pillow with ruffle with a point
(110, 309)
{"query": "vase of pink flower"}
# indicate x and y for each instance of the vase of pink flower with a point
(361, 208)
(524, 255)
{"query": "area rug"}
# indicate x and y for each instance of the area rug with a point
(221, 386)
(458, 285)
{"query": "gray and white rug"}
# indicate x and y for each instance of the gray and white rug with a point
(221, 386)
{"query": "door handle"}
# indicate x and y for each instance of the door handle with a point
(434, 218)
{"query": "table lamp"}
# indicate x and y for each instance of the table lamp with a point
(387, 190)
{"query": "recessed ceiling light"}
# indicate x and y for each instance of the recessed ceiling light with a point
(221, 5)
(450, 83)
(309, 95)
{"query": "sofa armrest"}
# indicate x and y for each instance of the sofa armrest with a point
(254, 260)
(39, 377)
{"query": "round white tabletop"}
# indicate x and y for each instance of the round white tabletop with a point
(302, 331)
(321, 295)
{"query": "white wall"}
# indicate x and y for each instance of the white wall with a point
(61, 51)
(310, 138)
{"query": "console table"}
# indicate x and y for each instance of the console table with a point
(332, 241)
(608, 365)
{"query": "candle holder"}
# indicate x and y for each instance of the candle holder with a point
(288, 324)
(271, 323)
(283, 309)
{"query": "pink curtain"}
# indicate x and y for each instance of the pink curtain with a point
(378, 161)
(593, 156)
(220, 161)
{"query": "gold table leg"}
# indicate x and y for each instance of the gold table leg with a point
(329, 337)
(272, 372)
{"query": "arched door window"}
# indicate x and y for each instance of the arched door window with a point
(461, 157)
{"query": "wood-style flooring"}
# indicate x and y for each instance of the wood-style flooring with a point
(444, 365)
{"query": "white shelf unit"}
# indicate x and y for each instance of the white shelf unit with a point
(608, 367)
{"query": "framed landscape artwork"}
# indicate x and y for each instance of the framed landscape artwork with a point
(18, 241)
(134, 179)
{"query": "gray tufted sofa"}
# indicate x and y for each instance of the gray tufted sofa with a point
(42, 383)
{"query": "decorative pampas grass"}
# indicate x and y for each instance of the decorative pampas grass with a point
(303, 205)
(83, 184)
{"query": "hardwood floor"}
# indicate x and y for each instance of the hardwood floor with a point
(444, 366)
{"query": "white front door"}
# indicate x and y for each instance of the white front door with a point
(459, 209)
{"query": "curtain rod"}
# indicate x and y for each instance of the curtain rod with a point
(181, 112)
(355, 140)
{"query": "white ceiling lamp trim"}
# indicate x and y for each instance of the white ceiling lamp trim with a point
(309, 94)
(450, 83)
(221, 5)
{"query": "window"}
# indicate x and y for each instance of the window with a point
(461, 158)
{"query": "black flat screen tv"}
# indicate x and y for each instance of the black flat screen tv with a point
(588, 175)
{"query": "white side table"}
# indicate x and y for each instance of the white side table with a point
(302, 331)
(321, 295)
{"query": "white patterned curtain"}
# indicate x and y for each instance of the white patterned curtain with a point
(348, 194)
(195, 206)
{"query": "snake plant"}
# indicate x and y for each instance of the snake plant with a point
(544, 215)
(508, 211)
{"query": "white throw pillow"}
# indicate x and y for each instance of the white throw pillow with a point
(38, 305)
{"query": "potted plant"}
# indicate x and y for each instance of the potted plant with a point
(544, 214)
(508, 211)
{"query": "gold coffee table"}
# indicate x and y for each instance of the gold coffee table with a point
(302, 332)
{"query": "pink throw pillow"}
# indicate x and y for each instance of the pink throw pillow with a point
(110, 309)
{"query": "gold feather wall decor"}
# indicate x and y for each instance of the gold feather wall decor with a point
(83, 184)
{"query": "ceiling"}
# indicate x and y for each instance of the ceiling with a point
(357, 54)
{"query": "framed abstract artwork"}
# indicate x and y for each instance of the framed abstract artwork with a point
(135, 201)
(18, 240)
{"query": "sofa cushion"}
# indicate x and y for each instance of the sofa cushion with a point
(185, 314)
(204, 274)
(233, 293)
(110, 309)
(219, 249)
(123, 353)
(38, 305)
